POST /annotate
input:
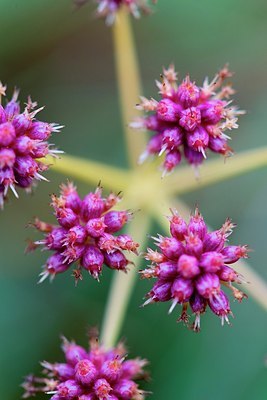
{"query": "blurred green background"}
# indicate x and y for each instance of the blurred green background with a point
(64, 60)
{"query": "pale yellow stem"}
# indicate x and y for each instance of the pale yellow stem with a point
(90, 171)
(257, 287)
(122, 285)
(215, 171)
(129, 83)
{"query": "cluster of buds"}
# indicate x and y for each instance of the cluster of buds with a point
(192, 266)
(188, 119)
(97, 374)
(85, 234)
(109, 8)
(23, 140)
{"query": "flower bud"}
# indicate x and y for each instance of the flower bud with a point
(232, 254)
(85, 372)
(92, 206)
(66, 217)
(182, 289)
(116, 260)
(172, 138)
(126, 389)
(211, 261)
(170, 247)
(40, 130)
(95, 227)
(7, 158)
(69, 390)
(199, 139)
(190, 119)
(102, 389)
(167, 269)
(92, 260)
(111, 369)
(7, 134)
(188, 266)
(172, 159)
(73, 352)
(188, 93)
(167, 110)
(115, 220)
(208, 285)
(161, 291)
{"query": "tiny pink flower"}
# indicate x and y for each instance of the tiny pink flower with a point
(94, 374)
(23, 141)
(188, 119)
(85, 234)
(191, 268)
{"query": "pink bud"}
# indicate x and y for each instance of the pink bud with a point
(188, 266)
(126, 389)
(182, 290)
(199, 139)
(171, 247)
(116, 260)
(40, 130)
(172, 137)
(92, 260)
(115, 220)
(102, 389)
(190, 119)
(172, 159)
(167, 270)
(231, 254)
(167, 110)
(92, 206)
(85, 372)
(161, 291)
(7, 158)
(188, 93)
(211, 261)
(7, 134)
(95, 227)
(208, 285)
(69, 390)
(66, 217)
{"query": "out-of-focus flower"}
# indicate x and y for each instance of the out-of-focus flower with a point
(109, 8)
(97, 374)
(85, 234)
(23, 141)
(192, 267)
(188, 119)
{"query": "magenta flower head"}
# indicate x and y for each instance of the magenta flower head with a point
(109, 8)
(191, 267)
(188, 120)
(97, 374)
(84, 234)
(23, 141)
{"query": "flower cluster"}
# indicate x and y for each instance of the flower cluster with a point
(97, 374)
(188, 119)
(85, 234)
(23, 140)
(109, 8)
(191, 268)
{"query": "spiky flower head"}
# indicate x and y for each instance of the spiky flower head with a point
(192, 266)
(94, 374)
(188, 119)
(84, 234)
(109, 8)
(23, 141)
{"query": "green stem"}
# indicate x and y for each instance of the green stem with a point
(215, 171)
(129, 83)
(90, 171)
(122, 286)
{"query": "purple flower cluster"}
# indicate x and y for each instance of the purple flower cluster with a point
(109, 8)
(23, 140)
(97, 374)
(85, 234)
(192, 266)
(188, 119)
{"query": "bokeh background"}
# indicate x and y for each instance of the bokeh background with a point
(64, 59)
